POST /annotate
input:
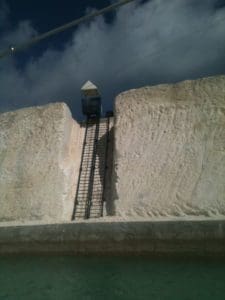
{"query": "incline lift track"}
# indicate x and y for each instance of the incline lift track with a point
(92, 176)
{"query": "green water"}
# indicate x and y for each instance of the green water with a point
(110, 278)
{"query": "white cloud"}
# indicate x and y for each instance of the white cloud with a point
(22, 33)
(160, 41)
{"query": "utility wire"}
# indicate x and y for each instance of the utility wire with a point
(62, 28)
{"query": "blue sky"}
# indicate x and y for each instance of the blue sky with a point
(143, 43)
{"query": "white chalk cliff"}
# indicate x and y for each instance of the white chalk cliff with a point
(39, 163)
(169, 154)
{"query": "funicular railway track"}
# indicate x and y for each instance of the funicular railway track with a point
(91, 182)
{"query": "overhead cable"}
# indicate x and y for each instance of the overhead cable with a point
(15, 48)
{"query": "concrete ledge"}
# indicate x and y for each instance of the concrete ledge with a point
(206, 237)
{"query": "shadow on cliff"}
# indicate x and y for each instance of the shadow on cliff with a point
(107, 171)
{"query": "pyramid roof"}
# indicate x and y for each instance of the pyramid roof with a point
(89, 86)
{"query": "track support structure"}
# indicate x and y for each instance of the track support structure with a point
(90, 193)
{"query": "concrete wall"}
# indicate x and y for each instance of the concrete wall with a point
(184, 237)
(40, 151)
(170, 150)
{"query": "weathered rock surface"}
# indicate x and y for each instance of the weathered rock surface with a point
(39, 162)
(170, 150)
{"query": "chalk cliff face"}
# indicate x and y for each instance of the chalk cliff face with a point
(170, 150)
(39, 162)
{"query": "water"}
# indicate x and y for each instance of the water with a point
(105, 278)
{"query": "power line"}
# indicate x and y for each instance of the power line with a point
(62, 28)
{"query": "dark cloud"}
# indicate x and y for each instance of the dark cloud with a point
(154, 42)
(4, 13)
